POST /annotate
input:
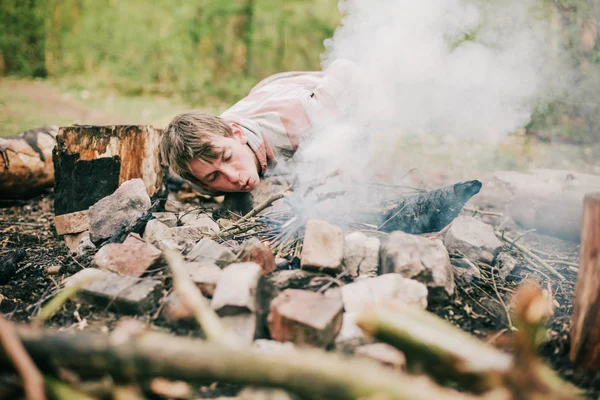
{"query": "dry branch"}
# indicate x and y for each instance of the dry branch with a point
(14, 350)
(442, 350)
(193, 300)
(309, 373)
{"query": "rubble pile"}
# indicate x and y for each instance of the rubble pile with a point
(309, 298)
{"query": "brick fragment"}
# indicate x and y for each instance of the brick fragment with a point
(305, 318)
(74, 222)
(132, 257)
(323, 247)
(253, 250)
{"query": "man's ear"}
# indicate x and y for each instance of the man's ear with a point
(238, 133)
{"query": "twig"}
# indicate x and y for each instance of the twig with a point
(14, 349)
(570, 264)
(481, 212)
(60, 299)
(193, 300)
(532, 255)
(259, 208)
(506, 309)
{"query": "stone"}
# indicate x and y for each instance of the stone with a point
(199, 220)
(464, 268)
(120, 293)
(167, 218)
(419, 258)
(385, 354)
(506, 264)
(119, 211)
(349, 331)
(85, 246)
(75, 222)
(290, 278)
(282, 263)
(169, 389)
(224, 223)
(253, 250)
(244, 327)
(73, 240)
(237, 289)
(132, 257)
(323, 247)
(156, 232)
(53, 270)
(361, 254)
(185, 234)
(471, 238)
(373, 291)
(205, 276)
(211, 251)
(174, 310)
(305, 318)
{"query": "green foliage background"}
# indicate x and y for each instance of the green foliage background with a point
(207, 52)
(201, 50)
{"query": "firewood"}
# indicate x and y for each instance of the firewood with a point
(585, 334)
(309, 373)
(441, 350)
(91, 162)
(26, 168)
(430, 211)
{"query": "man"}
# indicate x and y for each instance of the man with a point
(231, 152)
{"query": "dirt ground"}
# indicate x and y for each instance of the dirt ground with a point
(475, 308)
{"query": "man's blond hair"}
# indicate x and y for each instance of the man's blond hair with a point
(188, 137)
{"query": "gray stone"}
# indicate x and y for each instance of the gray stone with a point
(323, 247)
(167, 218)
(237, 289)
(290, 278)
(156, 232)
(464, 268)
(199, 220)
(361, 254)
(419, 258)
(211, 251)
(383, 353)
(132, 257)
(119, 211)
(473, 239)
(85, 246)
(506, 264)
(244, 327)
(373, 291)
(187, 234)
(121, 293)
(205, 276)
(349, 331)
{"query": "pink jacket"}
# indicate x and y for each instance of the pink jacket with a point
(284, 109)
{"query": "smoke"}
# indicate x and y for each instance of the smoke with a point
(437, 70)
(442, 69)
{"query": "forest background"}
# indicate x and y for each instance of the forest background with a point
(139, 62)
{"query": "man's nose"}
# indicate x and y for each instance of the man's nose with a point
(231, 174)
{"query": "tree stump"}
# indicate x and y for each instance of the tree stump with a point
(91, 162)
(26, 168)
(585, 323)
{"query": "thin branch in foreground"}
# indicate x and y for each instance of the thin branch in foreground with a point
(193, 300)
(33, 380)
(308, 372)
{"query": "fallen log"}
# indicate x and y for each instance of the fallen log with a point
(549, 201)
(91, 162)
(585, 323)
(26, 168)
(309, 373)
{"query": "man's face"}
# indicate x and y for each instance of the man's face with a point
(235, 171)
